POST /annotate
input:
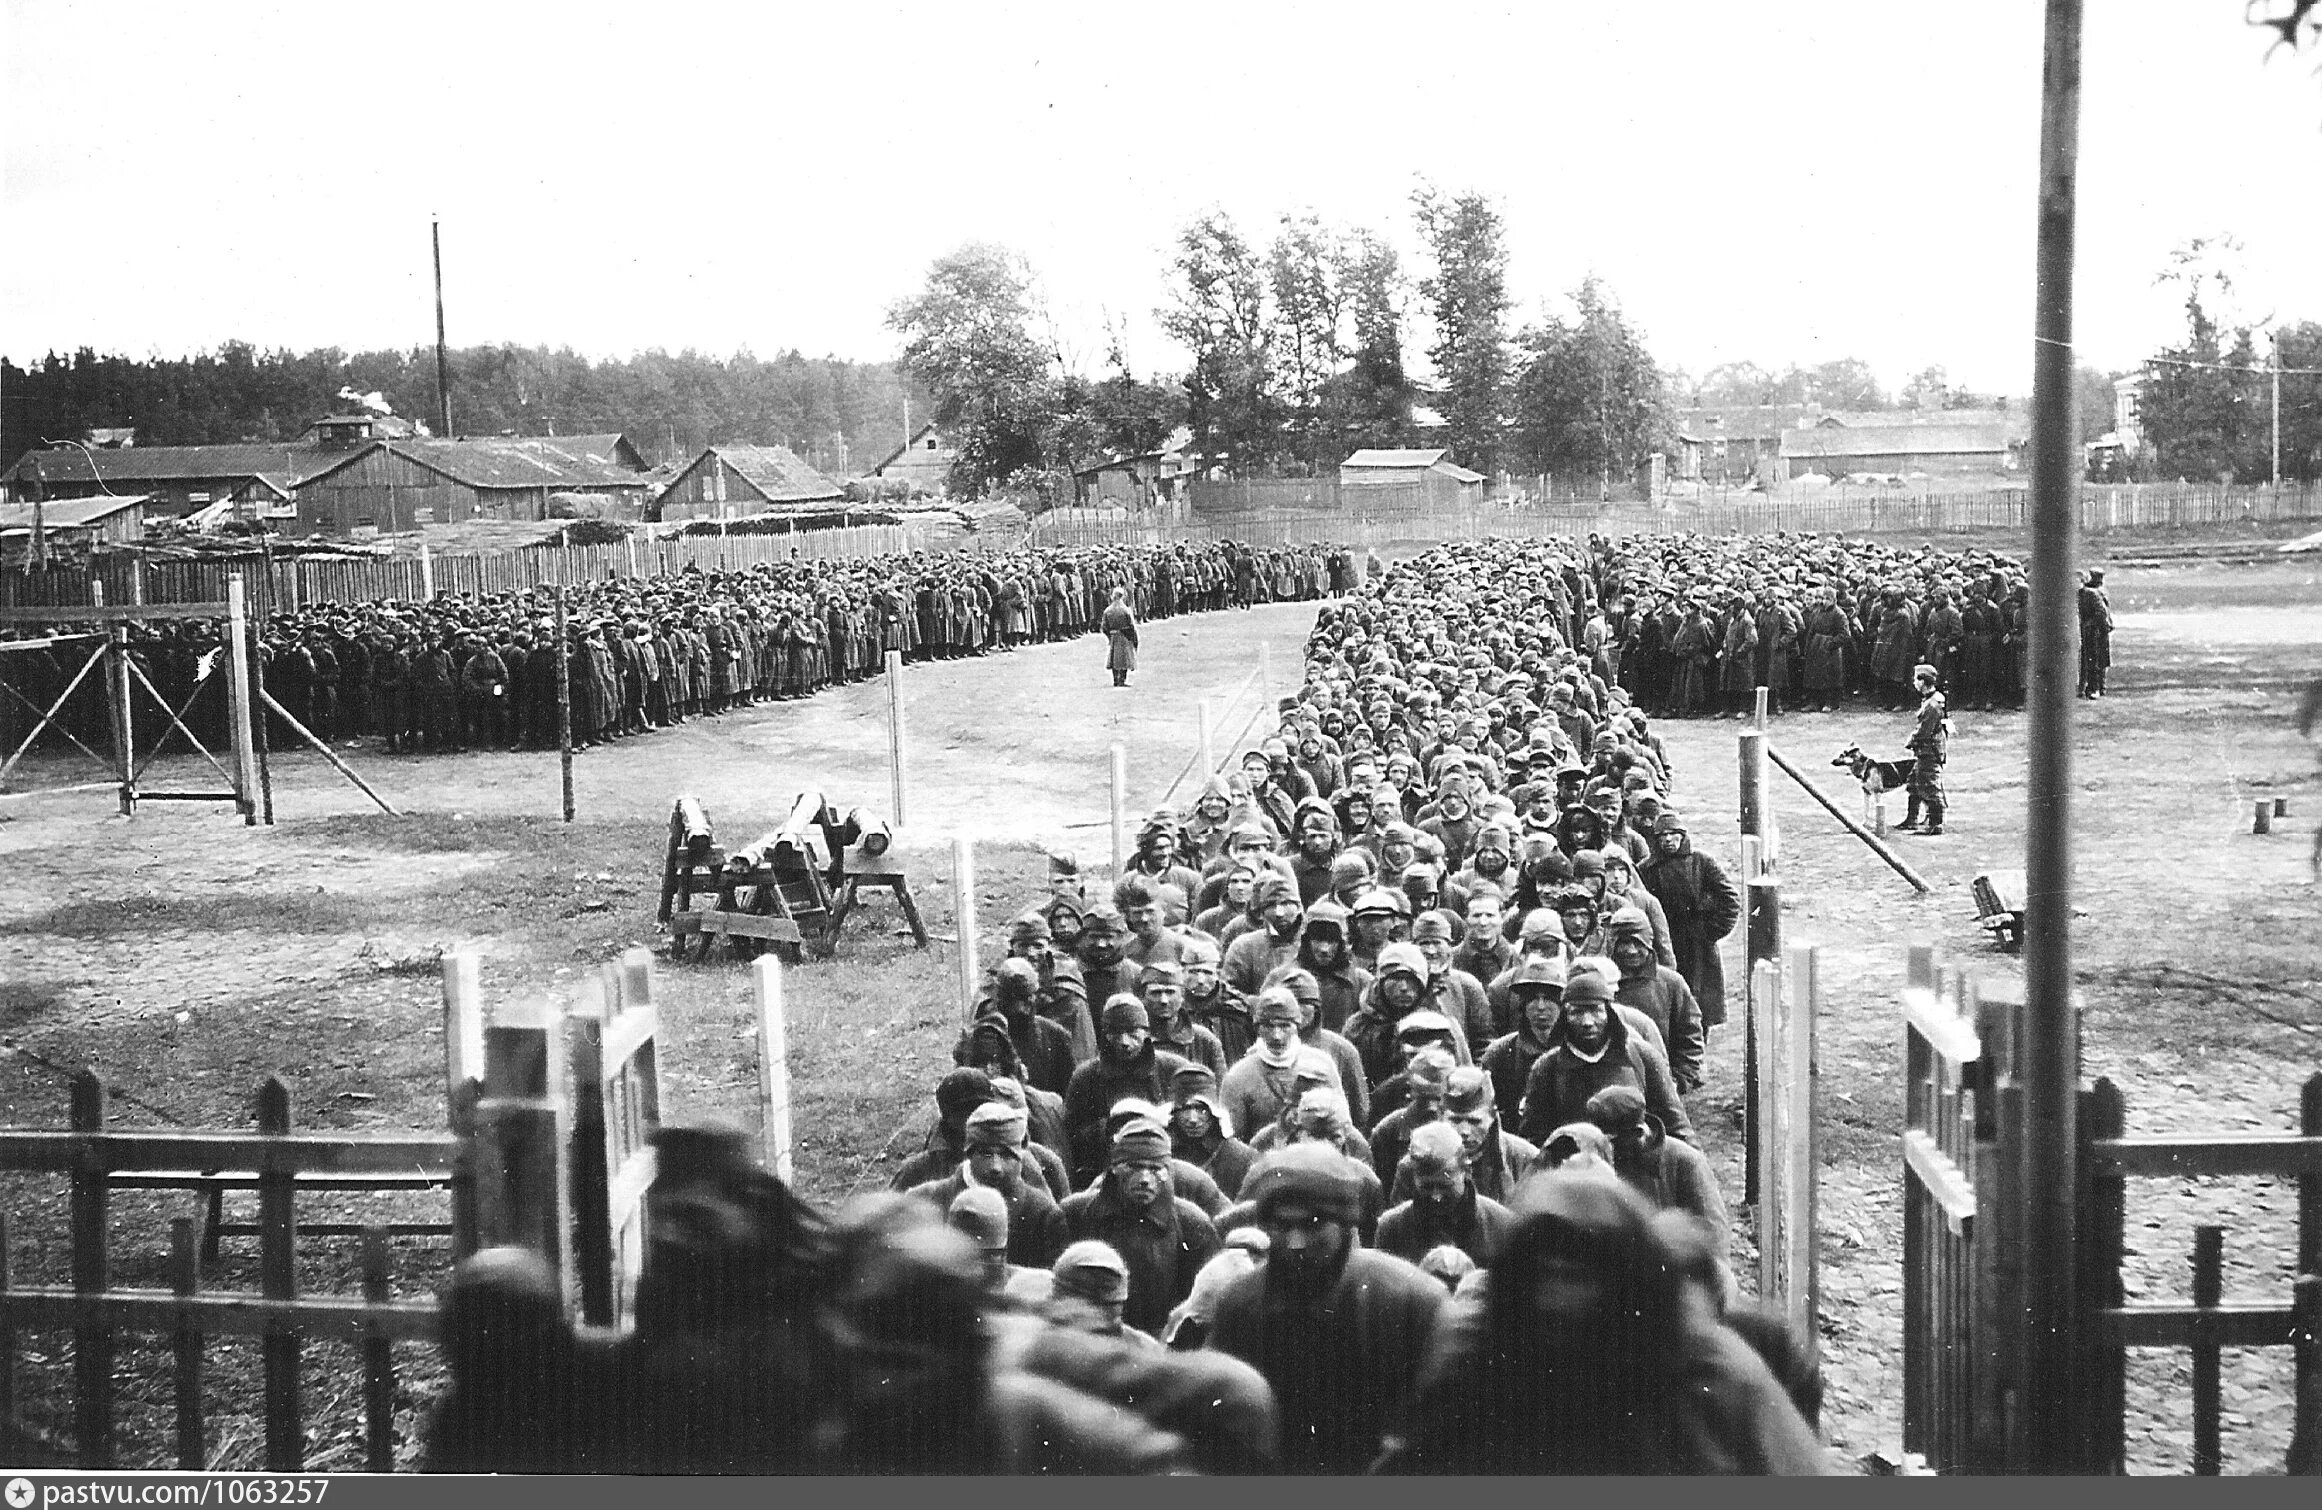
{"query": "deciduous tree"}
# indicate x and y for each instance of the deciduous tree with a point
(1590, 399)
(1466, 290)
(968, 335)
(1218, 312)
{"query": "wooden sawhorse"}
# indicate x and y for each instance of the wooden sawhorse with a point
(880, 872)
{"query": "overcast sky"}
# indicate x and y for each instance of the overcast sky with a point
(1781, 182)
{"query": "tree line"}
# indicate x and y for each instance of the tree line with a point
(843, 417)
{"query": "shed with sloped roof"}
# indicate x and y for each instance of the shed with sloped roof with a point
(390, 486)
(732, 482)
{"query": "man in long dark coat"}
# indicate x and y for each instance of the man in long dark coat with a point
(1702, 906)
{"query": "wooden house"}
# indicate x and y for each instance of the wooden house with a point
(734, 482)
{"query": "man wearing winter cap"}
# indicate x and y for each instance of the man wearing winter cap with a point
(1399, 991)
(981, 1215)
(995, 1160)
(1659, 993)
(1043, 1046)
(1413, 1099)
(1451, 990)
(1673, 1176)
(1161, 985)
(1103, 952)
(1199, 1133)
(1593, 1046)
(1249, 958)
(1163, 1238)
(1089, 1291)
(1062, 994)
(1127, 1064)
(1444, 1206)
(1340, 1332)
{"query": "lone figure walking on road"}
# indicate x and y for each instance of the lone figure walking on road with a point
(1120, 625)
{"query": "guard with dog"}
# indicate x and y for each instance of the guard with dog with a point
(1931, 744)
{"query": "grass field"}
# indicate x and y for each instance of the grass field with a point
(185, 957)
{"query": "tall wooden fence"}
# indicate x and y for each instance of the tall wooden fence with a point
(1965, 1197)
(2102, 509)
(296, 581)
(1370, 517)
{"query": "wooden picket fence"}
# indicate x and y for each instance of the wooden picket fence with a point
(1381, 518)
(1964, 1204)
(287, 582)
(551, 1112)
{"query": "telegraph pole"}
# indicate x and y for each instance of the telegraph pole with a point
(442, 382)
(2048, 1069)
(2277, 471)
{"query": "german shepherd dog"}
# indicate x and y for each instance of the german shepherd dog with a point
(1875, 776)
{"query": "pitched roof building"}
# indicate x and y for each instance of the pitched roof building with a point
(389, 486)
(924, 460)
(732, 482)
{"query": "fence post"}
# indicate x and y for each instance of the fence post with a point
(773, 1067)
(92, 1342)
(523, 1139)
(1120, 806)
(185, 1278)
(238, 700)
(963, 892)
(463, 1062)
(278, 1279)
(426, 574)
(895, 733)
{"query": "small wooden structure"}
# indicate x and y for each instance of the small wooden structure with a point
(792, 887)
(1999, 907)
(1965, 1203)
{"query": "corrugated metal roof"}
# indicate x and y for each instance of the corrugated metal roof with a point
(67, 513)
(1895, 440)
(1407, 458)
(1456, 472)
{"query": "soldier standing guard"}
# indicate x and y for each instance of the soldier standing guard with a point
(2095, 635)
(1931, 743)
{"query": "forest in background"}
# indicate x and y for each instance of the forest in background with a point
(843, 417)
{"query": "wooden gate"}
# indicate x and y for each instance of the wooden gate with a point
(1950, 1156)
(1964, 1205)
(551, 1112)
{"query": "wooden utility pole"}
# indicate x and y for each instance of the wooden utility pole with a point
(442, 369)
(564, 703)
(2049, 1067)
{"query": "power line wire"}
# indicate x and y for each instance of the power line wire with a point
(2228, 367)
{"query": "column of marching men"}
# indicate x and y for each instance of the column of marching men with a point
(648, 653)
(1345, 1131)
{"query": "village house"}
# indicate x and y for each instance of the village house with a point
(1146, 480)
(1426, 475)
(1955, 443)
(1734, 445)
(924, 461)
(734, 482)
